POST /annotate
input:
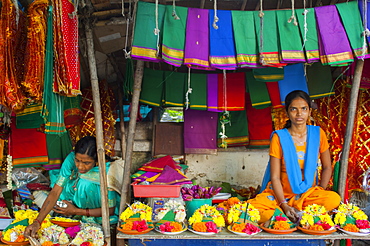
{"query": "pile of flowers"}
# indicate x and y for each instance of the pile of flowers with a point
(207, 219)
(224, 206)
(280, 223)
(89, 235)
(315, 217)
(198, 192)
(244, 217)
(51, 235)
(63, 219)
(176, 207)
(136, 216)
(170, 226)
(351, 218)
(15, 234)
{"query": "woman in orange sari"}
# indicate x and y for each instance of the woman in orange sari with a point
(291, 179)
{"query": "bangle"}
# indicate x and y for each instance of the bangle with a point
(38, 221)
(87, 212)
(283, 201)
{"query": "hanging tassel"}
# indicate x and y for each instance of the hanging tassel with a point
(175, 16)
(293, 15)
(215, 18)
(156, 29)
(188, 91)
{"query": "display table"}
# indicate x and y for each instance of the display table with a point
(225, 237)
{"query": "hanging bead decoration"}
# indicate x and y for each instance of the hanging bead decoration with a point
(188, 91)
(225, 116)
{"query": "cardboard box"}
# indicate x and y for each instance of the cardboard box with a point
(109, 38)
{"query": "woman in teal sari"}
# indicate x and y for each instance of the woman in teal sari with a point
(78, 188)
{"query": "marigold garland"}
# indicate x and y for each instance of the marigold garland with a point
(207, 211)
(137, 208)
(348, 209)
(236, 210)
(281, 225)
(318, 213)
(351, 228)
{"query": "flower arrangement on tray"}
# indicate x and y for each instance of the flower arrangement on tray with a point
(51, 235)
(136, 219)
(224, 206)
(171, 218)
(198, 192)
(279, 224)
(316, 218)
(22, 218)
(243, 218)
(89, 235)
(206, 219)
(351, 218)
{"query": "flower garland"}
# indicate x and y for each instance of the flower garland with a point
(236, 210)
(15, 234)
(351, 218)
(175, 206)
(207, 211)
(315, 217)
(63, 219)
(280, 223)
(9, 160)
(170, 226)
(247, 228)
(31, 215)
(143, 210)
(53, 234)
(224, 206)
(89, 235)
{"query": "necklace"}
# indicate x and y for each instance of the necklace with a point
(299, 139)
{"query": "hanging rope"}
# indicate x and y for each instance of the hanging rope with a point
(261, 14)
(156, 29)
(215, 18)
(293, 15)
(225, 117)
(188, 91)
(366, 32)
(305, 26)
(127, 53)
(175, 16)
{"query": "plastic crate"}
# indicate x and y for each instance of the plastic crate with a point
(156, 190)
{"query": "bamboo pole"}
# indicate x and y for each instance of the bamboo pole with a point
(131, 133)
(349, 127)
(99, 132)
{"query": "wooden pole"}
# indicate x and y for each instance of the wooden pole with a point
(349, 128)
(99, 132)
(131, 134)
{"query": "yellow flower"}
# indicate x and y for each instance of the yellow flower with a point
(207, 211)
(137, 207)
(236, 210)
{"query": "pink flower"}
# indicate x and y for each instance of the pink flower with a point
(211, 226)
(280, 218)
(324, 225)
(362, 224)
(72, 231)
(140, 226)
(251, 229)
(166, 227)
(85, 244)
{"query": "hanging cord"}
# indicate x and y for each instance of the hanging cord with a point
(156, 29)
(128, 17)
(188, 91)
(175, 16)
(366, 32)
(215, 18)
(225, 117)
(261, 14)
(293, 15)
(305, 26)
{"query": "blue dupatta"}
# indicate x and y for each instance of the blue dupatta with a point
(298, 185)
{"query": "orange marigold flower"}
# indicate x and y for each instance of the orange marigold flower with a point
(281, 225)
(351, 228)
(200, 226)
(47, 243)
(20, 238)
(232, 201)
(316, 227)
(238, 227)
(127, 226)
(176, 226)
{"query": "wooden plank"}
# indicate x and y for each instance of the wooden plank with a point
(168, 140)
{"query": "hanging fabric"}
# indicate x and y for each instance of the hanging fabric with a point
(144, 45)
(222, 44)
(319, 80)
(200, 131)
(30, 117)
(334, 46)
(212, 92)
(198, 96)
(307, 25)
(197, 39)
(173, 44)
(246, 44)
(290, 40)
(260, 97)
(237, 130)
(174, 92)
(231, 93)
(364, 7)
(152, 88)
(268, 74)
(58, 146)
(351, 19)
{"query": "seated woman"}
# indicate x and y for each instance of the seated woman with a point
(290, 181)
(78, 186)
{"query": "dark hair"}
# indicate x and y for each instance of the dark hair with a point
(289, 99)
(87, 146)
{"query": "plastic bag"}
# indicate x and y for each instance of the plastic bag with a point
(23, 176)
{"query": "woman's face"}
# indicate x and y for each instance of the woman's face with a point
(84, 162)
(298, 111)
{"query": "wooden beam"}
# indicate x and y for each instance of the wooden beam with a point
(202, 2)
(258, 6)
(244, 4)
(106, 14)
(349, 128)
(333, 2)
(99, 131)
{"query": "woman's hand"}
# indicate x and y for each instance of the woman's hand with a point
(70, 209)
(290, 212)
(31, 230)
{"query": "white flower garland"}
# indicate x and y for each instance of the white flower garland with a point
(9, 160)
(177, 207)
